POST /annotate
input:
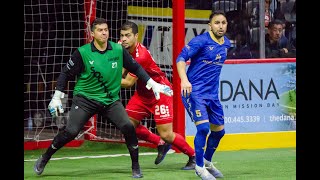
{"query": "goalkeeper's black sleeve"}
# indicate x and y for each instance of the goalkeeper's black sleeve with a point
(73, 68)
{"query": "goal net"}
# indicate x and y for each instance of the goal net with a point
(53, 29)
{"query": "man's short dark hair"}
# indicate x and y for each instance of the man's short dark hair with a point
(130, 25)
(275, 22)
(216, 12)
(98, 21)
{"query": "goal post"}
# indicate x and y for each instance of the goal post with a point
(178, 40)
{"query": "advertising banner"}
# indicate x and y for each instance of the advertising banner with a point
(256, 98)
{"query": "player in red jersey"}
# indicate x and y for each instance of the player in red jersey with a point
(144, 102)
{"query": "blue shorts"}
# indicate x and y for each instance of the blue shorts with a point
(199, 109)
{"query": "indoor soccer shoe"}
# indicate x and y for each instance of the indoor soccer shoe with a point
(39, 165)
(162, 152)
(190, 164)
(204, 174)
(213, 170)
(136, 173)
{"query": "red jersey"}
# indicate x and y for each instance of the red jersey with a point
(142, 55)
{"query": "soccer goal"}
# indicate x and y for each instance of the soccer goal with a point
(53, 29)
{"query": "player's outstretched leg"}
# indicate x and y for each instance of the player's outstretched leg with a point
(203, 173)
(162, 152)
(40, 164)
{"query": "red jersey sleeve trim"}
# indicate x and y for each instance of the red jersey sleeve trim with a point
(133, 75)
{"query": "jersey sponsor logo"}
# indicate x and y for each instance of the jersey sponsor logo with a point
(211, 62)
(99, 77)
(91, 62)
(113, 59)
(218, 63)
(207, 61)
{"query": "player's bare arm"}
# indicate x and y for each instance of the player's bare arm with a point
(186, 87)
(128, 81)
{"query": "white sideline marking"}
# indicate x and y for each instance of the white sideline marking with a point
(171, 151)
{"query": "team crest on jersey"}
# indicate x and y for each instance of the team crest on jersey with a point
(218, 57)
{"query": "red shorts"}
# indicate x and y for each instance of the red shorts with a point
(162, 109)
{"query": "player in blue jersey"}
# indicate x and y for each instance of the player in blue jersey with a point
(199, 90)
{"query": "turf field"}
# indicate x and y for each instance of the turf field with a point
(98, 160)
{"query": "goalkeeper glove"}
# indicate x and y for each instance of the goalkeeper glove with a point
(158, 88)
(55, 104)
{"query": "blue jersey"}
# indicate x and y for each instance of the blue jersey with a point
(207, 57)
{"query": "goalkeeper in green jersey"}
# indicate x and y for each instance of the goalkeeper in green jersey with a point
(97, 67)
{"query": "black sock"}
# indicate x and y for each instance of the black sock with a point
(58, 142)
(134, 154)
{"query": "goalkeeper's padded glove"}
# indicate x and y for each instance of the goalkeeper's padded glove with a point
(55, 104)
(158, 88)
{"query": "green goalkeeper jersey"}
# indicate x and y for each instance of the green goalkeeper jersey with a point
(101, 78)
